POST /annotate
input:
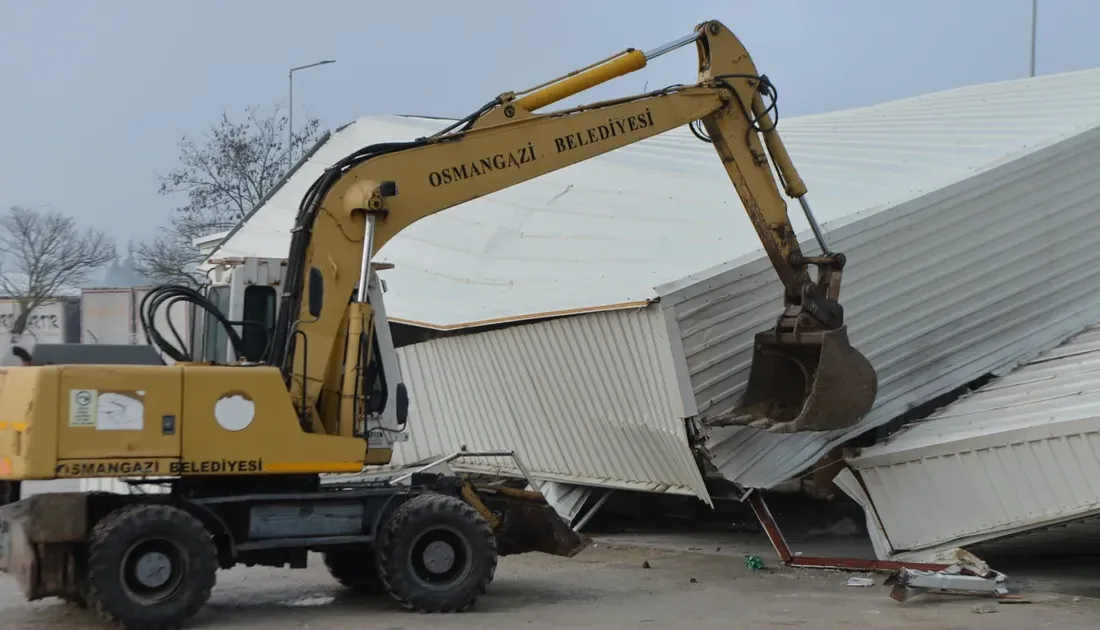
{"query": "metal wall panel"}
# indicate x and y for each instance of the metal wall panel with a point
(32, 487)
(47, 325)
(589, 399)
(1017, 455)
(112, 316)
(117, 486)
(938, 291)
(107, 316)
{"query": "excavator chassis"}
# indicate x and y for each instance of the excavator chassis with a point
(149, 560)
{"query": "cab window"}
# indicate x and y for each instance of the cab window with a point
(214, 336)
(376, 391)
(259, 308)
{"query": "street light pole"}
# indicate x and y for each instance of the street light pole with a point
(290, 115)
(1034, 15)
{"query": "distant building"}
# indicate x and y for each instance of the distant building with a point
(207, 244)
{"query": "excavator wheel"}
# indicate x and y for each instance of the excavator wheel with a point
(150, 567)
(437, 554)
(355, 570)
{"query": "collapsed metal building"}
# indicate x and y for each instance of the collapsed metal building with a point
(1011, 465)
(589, 317)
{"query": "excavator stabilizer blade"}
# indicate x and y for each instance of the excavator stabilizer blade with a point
(814, 382)
(528, 523)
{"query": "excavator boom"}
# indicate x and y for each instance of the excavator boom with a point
(365, 200)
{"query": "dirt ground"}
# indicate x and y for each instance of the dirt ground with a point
(606, 586)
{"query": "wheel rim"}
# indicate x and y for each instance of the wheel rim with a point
(153, 570)
(440, 557)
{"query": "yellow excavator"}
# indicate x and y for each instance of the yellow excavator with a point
(246, 446)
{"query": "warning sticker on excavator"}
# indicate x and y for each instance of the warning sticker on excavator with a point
(82, 407)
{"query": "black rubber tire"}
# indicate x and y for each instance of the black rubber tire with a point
(110, 543)
(423, 514)
(355, 570)
(10, 491)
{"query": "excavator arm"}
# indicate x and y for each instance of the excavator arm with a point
(366, 199)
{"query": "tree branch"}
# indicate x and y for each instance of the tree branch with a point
(43, 253)
(223, 178)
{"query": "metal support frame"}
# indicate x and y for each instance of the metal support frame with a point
(771, 528)
(464, 454)
(592, 511)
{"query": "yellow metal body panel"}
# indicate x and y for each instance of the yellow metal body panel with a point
(116, 411)
(157, 421)
(272, 441)
(28, 422)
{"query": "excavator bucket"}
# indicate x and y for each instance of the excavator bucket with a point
(813, 382)
(528, 523)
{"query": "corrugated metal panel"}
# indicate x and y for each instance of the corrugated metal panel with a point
(588, 400)
(1016, 455)
(107, 316)
(46, 325)
(118, 486)
(606, 231)
(112, 316)
(567, 499)
(33, 487)
(938, 291)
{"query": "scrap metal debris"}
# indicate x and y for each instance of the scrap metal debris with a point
(967, 575)
(863, 582)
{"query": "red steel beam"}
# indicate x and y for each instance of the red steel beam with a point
(771, 528)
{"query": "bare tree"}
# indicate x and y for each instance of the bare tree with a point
(41, 253)
(223, 177)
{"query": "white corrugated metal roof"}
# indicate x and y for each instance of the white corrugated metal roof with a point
(941, 289)
(972, 279)
(1019, 454)
(1059, 386)
(607, 231)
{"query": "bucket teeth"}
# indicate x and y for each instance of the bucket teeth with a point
(817, 383)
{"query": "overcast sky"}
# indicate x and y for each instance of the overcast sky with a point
(95, 95)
